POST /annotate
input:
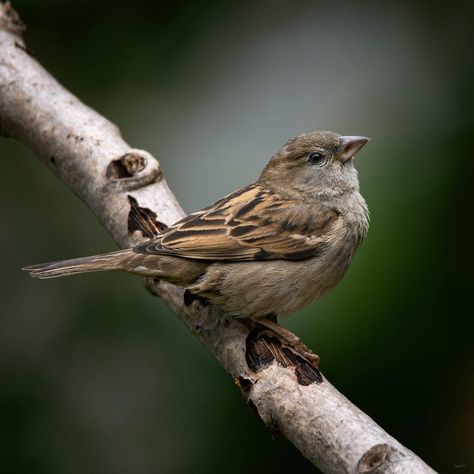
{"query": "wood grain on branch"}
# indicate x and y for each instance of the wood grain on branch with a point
(119, 184)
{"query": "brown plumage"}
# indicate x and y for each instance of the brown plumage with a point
(269, 248)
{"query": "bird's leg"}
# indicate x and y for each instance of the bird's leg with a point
(293, 342)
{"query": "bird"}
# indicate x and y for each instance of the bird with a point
(265, 250)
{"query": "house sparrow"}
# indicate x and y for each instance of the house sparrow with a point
(267, 249)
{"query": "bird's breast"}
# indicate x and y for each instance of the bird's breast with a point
(257, 289)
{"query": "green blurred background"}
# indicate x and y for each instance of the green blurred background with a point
(97, 376)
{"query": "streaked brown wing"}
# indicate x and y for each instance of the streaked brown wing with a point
(250, 224)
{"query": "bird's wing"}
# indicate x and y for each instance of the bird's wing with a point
(250, 224)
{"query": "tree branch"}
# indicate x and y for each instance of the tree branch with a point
(118, 183)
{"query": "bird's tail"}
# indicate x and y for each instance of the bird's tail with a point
(120, 260)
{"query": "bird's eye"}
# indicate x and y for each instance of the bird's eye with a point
(317, 159)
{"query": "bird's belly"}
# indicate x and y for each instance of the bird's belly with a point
(257, 289)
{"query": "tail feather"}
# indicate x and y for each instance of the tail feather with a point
(96, 263)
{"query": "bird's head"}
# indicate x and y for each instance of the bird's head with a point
(315, 163)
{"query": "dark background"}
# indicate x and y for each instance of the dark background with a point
(96, 376)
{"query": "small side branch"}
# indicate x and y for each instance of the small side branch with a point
(125, 186)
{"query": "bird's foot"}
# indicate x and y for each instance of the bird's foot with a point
(190, 297)
(291, 341)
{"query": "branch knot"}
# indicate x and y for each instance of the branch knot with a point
(10, 20)
(133, 170)
(373, 458)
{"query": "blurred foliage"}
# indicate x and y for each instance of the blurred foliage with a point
(97, 376)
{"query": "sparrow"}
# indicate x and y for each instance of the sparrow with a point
(267, 249)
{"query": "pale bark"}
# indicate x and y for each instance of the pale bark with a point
(88, 154)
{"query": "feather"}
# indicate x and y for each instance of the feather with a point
(250, 224)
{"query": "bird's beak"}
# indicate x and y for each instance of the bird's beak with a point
(349, 146)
